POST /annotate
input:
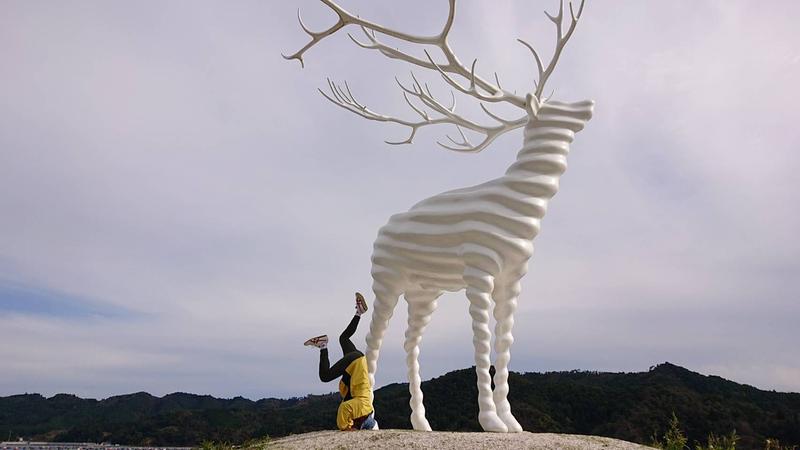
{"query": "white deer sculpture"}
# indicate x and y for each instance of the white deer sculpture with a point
(477, 238)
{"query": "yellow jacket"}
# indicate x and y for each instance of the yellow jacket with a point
(360, 393)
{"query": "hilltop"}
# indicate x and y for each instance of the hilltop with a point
(438, 440)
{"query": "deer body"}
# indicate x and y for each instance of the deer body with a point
(478, 239)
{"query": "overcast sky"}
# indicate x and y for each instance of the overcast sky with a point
(180, 209)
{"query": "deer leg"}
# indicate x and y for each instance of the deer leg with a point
(383, 309)
(505, 298)
(421, 305)
(479, 287)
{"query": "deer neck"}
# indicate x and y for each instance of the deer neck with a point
(546, 144)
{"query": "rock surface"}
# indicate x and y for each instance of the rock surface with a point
(407, 439)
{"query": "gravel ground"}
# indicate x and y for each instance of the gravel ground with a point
(407, 439)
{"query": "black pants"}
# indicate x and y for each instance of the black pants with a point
(349, 351)
(344, 338)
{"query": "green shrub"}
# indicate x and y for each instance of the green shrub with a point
(673, 438)
(211, 445)
(256, 443)
(774, 444)
(719, 442)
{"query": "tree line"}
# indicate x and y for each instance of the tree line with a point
(630, 406)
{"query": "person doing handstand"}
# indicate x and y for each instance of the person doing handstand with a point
(355, 411)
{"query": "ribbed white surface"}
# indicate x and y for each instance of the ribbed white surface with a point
(478, 238)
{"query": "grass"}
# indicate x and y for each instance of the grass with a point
(674, 439)
(251, 444)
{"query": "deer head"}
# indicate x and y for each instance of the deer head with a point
(461, 78)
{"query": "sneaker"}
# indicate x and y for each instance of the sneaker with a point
(361, 304)
(319, 341)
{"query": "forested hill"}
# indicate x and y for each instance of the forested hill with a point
(630, 406)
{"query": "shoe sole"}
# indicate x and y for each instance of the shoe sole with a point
(316, 340)
(361, 303)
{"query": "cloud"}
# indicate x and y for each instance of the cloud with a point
(164, 165)
(16, 298)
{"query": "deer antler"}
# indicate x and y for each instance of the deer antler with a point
(561, 41)
(344, 98)
(478, 87)
(452, 65)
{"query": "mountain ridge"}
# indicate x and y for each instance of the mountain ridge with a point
(630, 406)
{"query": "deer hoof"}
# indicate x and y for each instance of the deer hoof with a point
(420, 423)
(490, 421)
(511, 422)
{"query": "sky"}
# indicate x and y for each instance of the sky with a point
(180, 209)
